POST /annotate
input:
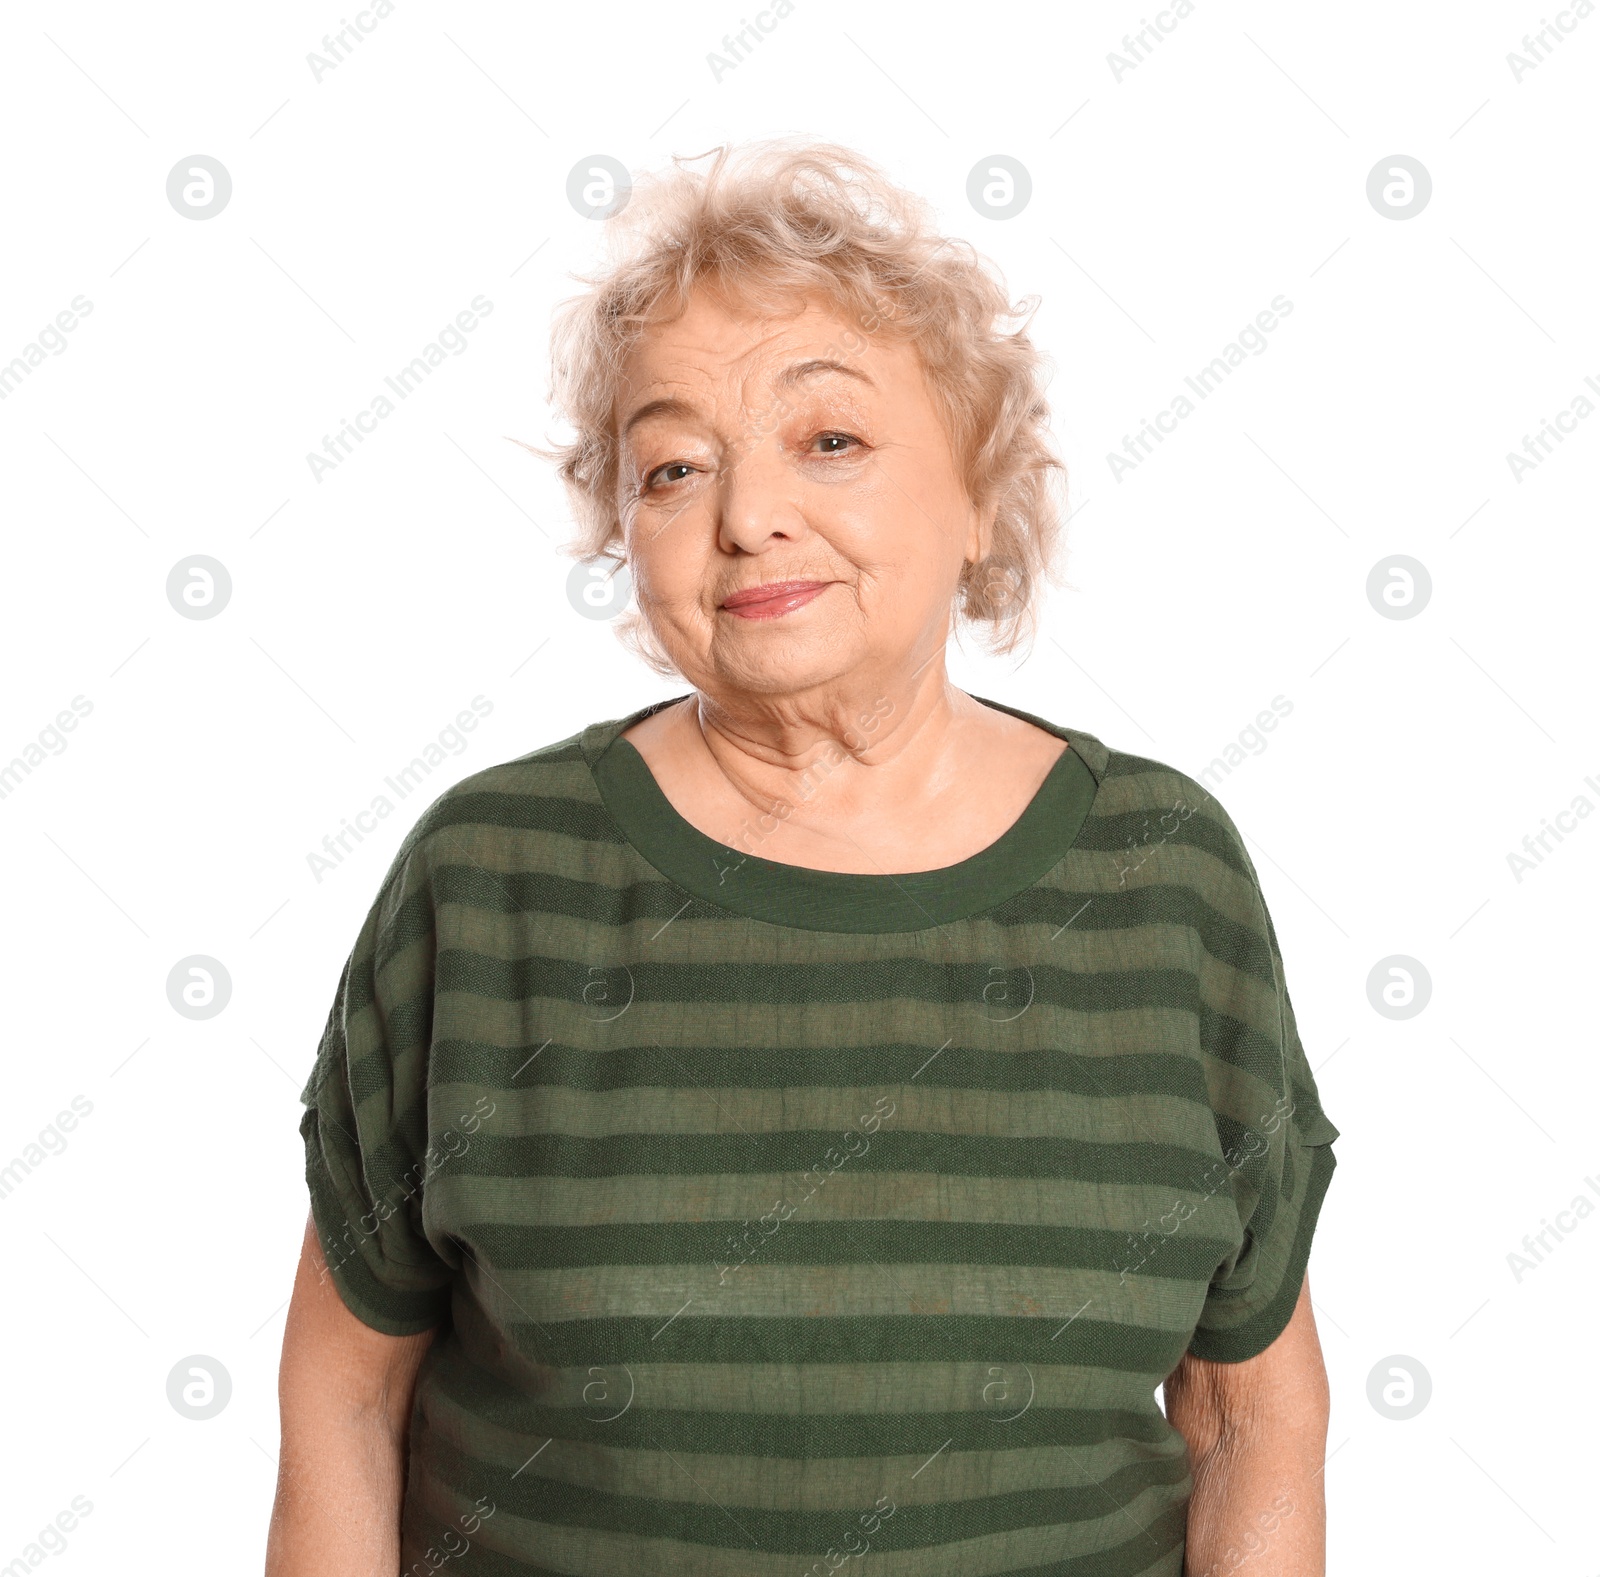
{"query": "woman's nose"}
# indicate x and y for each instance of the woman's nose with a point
(753, 496)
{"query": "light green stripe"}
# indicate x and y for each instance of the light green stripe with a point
(752, 1112)
(675, 1198)
(850, 1291)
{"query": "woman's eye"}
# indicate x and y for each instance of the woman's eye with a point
(676, 470)
(660, 473)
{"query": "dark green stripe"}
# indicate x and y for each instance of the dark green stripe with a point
(845, 1244)
(868, 1066)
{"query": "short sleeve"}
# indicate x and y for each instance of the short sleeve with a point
(365, 1118)
(1277, 1143)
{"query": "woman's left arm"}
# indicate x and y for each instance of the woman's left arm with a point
(1257, 1433)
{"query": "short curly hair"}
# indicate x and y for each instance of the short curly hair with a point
(770, 224)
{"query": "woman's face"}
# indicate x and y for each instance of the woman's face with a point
(803, 460)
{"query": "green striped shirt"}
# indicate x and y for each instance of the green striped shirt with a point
(774, 1217)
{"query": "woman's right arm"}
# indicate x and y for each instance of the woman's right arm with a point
(344, 1394)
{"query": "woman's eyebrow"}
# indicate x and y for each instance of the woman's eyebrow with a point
(797, 372)
(667, 405)
(814, 365)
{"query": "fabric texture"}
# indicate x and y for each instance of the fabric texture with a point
(773, 1218)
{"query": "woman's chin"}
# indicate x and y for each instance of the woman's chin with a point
(772, 666)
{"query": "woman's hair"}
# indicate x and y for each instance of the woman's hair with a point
(767, 225)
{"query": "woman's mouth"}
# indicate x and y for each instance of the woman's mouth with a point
(774, 599)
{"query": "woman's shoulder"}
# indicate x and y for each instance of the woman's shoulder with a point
(547, 789)
(1144, 801)
(1131, 786)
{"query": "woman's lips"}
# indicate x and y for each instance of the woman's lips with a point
(774, 599)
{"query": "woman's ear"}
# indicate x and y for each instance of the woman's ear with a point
(980, 532)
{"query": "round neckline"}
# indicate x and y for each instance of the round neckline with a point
(816, 900)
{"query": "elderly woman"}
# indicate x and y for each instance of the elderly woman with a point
(812, 1117)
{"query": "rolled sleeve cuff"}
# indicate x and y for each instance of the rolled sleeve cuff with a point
(394, 1310)
(1258, 1330)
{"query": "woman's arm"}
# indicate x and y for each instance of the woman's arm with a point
(1257, 1433)
(344, 1392)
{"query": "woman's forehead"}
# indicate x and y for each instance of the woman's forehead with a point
(714, 350)
(714, 332)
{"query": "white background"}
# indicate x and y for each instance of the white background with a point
(368, 609)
